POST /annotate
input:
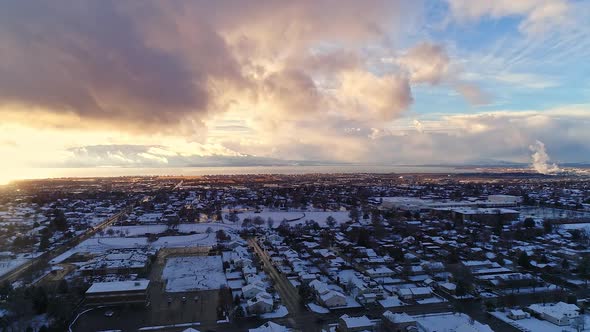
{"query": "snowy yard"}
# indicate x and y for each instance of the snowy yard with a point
(280, 312)
(194, 273)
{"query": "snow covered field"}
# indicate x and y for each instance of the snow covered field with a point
(101, 244)
(141, 230)
(11, 264)
(296, 217)
(194, 273)
(576, 226)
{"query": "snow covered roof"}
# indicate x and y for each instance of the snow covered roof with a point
(398, 318)
(356, 322)
(118, 286)
(270, 327)
(261, 297)
(331, 294)
(517, 312)
(558, 310)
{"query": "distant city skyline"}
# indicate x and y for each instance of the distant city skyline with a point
(246, 83)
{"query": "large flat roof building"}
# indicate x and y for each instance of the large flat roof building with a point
(118, 292)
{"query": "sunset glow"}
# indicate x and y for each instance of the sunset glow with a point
(170, 84)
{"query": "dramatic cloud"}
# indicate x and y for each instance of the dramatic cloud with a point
(89, 60)
(228, 82)
(426, 63)
(155, 65)
(429, 63)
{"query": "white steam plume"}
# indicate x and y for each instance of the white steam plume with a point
(419, 126)
(541, 159)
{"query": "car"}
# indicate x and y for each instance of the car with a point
(183, 299)
(169, 300)
(109, 313)
(196, 298)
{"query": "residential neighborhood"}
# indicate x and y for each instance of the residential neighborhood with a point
(340, 252)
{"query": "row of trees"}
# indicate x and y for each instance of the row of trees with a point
(25, 302)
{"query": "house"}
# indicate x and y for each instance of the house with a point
(190, 329)
(248, 270)
(379, 272)
(270, 327)
(333, 299)
(367, 298)
(557, 313)
(518, 314)
(261, 303)
(351, 324)
(251, 290)
(416, 293)
(306, 277)
(448, 287)
(327, 297)
(399, 322)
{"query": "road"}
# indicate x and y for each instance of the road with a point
(42, 260)
(300, 317)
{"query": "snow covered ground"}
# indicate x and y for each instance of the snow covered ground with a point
(194, 273)
(576, 226)
(391, 302)
(296, 217)
(11, 264)
(537, 325)
(101, 244)
(280, 312)
(141, 230)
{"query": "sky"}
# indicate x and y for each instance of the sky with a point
(200, 83)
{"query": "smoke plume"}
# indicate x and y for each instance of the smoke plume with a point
(541, 159)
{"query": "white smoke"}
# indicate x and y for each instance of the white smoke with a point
(419, 126)
(541, 159)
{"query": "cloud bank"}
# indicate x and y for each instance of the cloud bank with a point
(191, 82)
(154, 65)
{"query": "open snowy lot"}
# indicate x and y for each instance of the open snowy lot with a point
(194, 273)
(98, 244)
(11, 264)
(141, 230)
(576, 226)
(297, 217)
